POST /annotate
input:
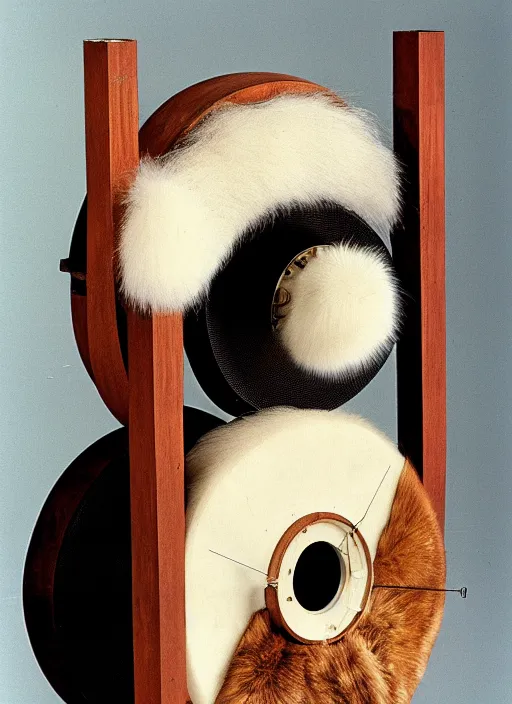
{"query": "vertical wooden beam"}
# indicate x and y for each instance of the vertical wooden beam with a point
(419, 253)
(112, 154)
(155, 353)
(153, 402)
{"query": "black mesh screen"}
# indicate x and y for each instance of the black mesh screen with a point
(252, 363)
(234, 354)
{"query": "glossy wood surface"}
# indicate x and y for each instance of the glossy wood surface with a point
(111, 139)
(274, 568)
(155, 351)
(419, 253)
(177, 116)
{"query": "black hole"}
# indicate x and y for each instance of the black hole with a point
(317, 576)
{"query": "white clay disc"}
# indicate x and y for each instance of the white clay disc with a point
(249, 481)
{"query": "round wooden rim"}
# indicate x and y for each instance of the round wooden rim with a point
(48, 535)
(166, 127)
(271, 600)
(41, 561)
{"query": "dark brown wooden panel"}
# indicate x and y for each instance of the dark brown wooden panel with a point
(419, 252)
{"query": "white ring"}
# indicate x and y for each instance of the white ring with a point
(350, 598)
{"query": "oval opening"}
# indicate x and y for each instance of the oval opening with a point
(318, 575)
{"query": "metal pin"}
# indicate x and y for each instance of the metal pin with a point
(463, 591)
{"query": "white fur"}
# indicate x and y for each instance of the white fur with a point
(344, 308)
(187, 210)
(249, 481)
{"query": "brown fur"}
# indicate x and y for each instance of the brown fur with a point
(382, 660)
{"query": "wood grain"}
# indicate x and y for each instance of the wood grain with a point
(155, 354)
(111, 138)
(419, 253)
(178, 115)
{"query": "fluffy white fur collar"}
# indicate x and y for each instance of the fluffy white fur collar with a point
(187, 210)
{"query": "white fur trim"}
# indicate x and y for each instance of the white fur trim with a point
(187, 210)
(344, 309)
(248, 482)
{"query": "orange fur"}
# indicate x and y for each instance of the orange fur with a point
(382, 660)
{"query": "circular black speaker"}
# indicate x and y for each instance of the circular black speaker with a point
(234, 351)
(233, 348)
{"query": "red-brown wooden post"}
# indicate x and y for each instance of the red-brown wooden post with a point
(419, 253)
(152, 402)
(155, 351)
(112, 154)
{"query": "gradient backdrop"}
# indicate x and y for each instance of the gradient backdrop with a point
(50, 411)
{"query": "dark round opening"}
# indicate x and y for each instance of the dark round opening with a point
(317, 576)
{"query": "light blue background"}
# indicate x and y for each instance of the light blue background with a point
(50, 411)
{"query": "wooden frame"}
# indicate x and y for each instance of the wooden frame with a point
(155, 347)
(153, 404)
(152, 401)
(419, 254)
(112, 152)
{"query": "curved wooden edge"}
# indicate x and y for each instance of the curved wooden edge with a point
(43, 552)
(155, 348)
(111, 137)
(49, 533)
(419, 254)
(79, 320)
(180, 113)
(271, 600)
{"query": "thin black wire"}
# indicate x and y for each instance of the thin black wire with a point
(463, 591)
(239, 563)
(373, 499)
(354, 528)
